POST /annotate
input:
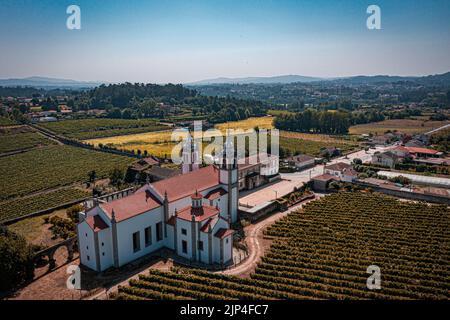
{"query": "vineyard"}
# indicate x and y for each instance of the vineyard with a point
(97, 128)
(323, 251)
(6, 121)
(53, 166)
(22, 140)
(20, 207)
(311, 147)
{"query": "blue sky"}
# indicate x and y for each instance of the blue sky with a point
(182, 41)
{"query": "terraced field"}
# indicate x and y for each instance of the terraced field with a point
(323, 252)
(95, 128)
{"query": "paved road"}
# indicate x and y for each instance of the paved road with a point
(306, 175)
(288, 181)
(438, 129)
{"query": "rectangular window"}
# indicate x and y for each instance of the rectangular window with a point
(183, 231)
(148, 236)
(159, 231)
(136, 242)
(184, 246)
(200, 245)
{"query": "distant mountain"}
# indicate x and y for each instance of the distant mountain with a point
(438, 79)
(258, 80)
(47, 83)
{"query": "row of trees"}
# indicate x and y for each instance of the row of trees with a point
(329, 122)
(315, 121)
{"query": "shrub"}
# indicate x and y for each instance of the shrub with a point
(72, 212)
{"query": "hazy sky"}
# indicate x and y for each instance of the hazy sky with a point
(187, 40)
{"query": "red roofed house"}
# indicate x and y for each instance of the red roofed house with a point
(190, 213)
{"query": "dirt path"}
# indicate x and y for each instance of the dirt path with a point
(256, 243)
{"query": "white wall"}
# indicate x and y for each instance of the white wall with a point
(183, 224)
(204, 254)
(234, 208)
(86, 245)
(227, 245)
(105, 249)
(126, 228)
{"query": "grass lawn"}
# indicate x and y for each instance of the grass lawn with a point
(35, 230)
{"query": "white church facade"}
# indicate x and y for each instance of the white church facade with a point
(190, 214)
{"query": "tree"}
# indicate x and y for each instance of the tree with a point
(115, 113)
(92, 176)
(116, 177)
(16, 262)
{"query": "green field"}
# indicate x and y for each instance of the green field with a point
(20, 207)
(53, 166)
(97, 128)
(295, 145)
(6, 122)
(324, 251)
(22, 140)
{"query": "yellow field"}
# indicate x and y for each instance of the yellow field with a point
(402, 125)
(160, 144)
(250, 123)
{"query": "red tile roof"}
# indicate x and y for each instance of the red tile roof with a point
(339, 166)
(171, 220)
(211, 222)
(184, 185)
(350, 172)
(223, 233)
(130, 206)
(202, 213)
(325, 177)
(196, 196)
(96, 223)
(421, 150)
(214, 194)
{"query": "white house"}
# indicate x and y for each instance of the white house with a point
(341, 170)
(190, 214)
(388, 158)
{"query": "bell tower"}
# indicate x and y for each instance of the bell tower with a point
(190, 155)
(229, 179)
